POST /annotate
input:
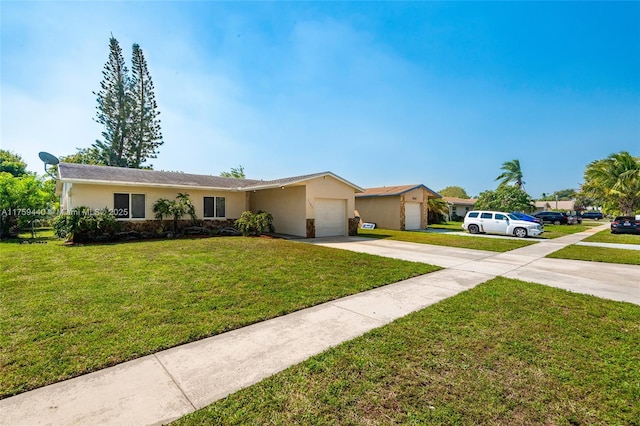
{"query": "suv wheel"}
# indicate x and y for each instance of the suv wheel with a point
(520, 232)
(556, 222)
(473, 229)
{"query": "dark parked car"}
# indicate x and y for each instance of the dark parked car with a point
(625, 225)
(556, 218)
(592, 215)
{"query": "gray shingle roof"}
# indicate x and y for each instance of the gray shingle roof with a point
(389, 191)
(71, 172)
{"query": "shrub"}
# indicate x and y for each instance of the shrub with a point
(80, 224)
(255, 224)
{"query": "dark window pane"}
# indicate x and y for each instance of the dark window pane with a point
(137, 206)
(220, 207)
(500, 217)
(121, 205)
(486, 215)
(208, 207)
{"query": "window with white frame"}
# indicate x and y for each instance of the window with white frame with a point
(129, 206)
(214, 207)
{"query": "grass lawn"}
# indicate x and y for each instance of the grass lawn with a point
(554, 231)
(503, 353)
(598, 254)
(477, 243)
(65, 311)
(608, 237)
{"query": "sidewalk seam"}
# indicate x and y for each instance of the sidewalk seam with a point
(173, 379)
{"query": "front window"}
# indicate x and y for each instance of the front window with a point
(214, 207)
(126, 206)
(500, 216)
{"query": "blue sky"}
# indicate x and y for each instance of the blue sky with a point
(380, 93)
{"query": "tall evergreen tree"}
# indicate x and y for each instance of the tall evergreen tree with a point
(128, 110)
(145, 134)
(114, 108)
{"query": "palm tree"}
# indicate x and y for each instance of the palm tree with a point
(615, 182)
(512, 173)
(177, 208)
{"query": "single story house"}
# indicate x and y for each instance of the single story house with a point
(459, 206)
(315, 205)
(395, 207)
(565, 206)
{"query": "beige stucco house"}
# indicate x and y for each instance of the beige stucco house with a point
(566, 206)
(459, 206)
(315, 205)
(395, 207)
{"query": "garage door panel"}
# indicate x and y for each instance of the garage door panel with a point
(412, 216)
(330, 217)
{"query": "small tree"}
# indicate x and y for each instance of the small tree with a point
(255, 224)
(505, 198)
(177, 208)
(237, 173)
(454, 191)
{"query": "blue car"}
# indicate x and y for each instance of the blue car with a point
(526, 217)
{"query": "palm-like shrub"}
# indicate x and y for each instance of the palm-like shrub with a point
(177, 209)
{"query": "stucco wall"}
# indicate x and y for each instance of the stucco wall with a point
(328, 187)
(101, 196)
(285, 205)
(383, 211)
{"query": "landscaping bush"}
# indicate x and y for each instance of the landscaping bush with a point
(81, 224)
(255, 223)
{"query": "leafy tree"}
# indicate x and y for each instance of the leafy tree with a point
(454, 191)
(12, 163)
(22, 200)
(83, 156)
(145, 134)
(512, 173)
(177, 208)
(562, 195)
(505, 198)
(614, 182)
(128, 111)
(234, 173)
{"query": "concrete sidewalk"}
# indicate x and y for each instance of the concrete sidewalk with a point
(162, 387)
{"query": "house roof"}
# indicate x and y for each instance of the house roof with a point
(392, 191)
(460, 201)
(85, 173)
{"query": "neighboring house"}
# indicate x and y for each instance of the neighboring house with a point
(459, 206)
(395, 207)
(315, 205)
(565, 206)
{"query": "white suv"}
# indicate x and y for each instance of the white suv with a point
(500, 223)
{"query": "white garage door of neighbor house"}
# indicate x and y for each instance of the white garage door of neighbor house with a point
(412, 215)
(331, 217)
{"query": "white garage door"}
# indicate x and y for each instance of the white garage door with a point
(331, 217)
(412, 215)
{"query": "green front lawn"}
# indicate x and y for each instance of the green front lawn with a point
(608, 237)
(598, 254)
(554, 231)
(442, 239)
(65, 311)
(503, 353)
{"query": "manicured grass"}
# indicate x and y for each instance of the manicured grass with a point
(477, 243)
(554, 231)
(65, 311)
(608, 237)
(504, 353)
(451, 226)
(598, 254)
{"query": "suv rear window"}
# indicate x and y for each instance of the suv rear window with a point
(473, 214)
(486, 215)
